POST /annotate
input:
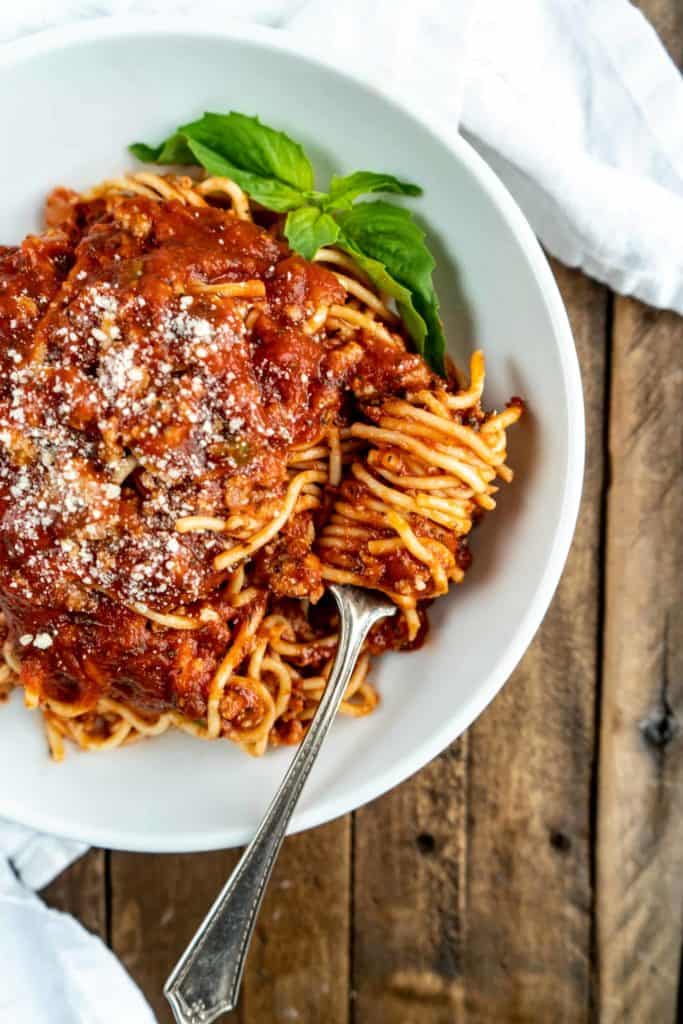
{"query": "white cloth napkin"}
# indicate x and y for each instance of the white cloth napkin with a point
(36, 859)
(54, 972)
(577, 106)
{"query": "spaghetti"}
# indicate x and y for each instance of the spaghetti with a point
(198, 431)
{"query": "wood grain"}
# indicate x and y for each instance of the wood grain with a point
(81, 890)
(298, 967)
(157, 902)
(529, 898)
(640, 826)
(640, 849)
(298, 964)
(409, 899)
(666, 17)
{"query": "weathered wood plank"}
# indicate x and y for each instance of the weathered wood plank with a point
(640, 826)
(298, 967)
(409, 893)
(640, 849)
(666, 17)
(529, 900)
(157, 902)
(298, 963)
(81, 890)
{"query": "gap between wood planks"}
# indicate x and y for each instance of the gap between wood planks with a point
(593, 1002)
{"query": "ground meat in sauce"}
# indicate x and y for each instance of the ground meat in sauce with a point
(111, 353)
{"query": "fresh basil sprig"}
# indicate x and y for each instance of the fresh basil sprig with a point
(275, 172)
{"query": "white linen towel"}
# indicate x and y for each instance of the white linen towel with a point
(52, 971)
(577, 106)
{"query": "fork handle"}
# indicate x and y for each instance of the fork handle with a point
(205, 982)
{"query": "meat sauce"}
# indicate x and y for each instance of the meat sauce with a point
(130, 397)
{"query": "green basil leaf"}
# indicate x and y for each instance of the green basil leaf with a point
(389, 235)
(173, 151)
(267, 191)
(246, 143)
(384, 282)
(266, 163)
(309, 229)
(316, 197)
(344, 190)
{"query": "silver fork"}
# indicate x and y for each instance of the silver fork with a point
(206, 980)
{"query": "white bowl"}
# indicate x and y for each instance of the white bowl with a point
(73, 100)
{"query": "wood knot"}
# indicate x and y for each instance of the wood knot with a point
(559, 841)
(660, 728)
(426, 842)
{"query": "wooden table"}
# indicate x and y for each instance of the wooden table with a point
(534, 872)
